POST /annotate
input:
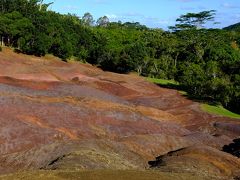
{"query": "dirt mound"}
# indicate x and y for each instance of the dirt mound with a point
(57, 115)
(201, 160)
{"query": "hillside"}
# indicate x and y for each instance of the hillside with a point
(74, 117)
(204, 62)
(234, 27)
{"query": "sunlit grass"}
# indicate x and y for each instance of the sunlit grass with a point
(219, 110)
(212, 109)
(167, 83)
(162, 81)
(184, 93)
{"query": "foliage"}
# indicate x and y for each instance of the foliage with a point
(87, 19)
(103, 21)
(194, 20)
(234, 27)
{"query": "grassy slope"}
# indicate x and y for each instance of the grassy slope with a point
(219, 110)
(212, 109)
(162, 81)
(100, 175)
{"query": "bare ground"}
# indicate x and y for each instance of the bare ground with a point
(72, 116)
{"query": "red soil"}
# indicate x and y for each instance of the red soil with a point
(45, 102)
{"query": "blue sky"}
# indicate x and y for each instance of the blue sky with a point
(153, 13)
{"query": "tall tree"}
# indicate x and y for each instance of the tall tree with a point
(103, 21)
(194, 20)
(88, 19)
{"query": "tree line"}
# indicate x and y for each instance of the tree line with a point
(206, 62)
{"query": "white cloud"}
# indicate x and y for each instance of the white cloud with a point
(230, 6)
(112, 16)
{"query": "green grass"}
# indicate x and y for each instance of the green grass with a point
(184, 93)
(162, 81)
(219, 110)
(172, 84)
(212, 109)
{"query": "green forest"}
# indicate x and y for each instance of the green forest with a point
(204, 61)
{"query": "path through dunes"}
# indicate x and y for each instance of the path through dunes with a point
(57, 115)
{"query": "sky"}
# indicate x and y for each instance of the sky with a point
(153, 13)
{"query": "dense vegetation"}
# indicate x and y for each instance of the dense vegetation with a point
(234, 27)
(206, 62)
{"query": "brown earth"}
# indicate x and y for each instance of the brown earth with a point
(72, 116)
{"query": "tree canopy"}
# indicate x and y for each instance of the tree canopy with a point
(194, 20)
